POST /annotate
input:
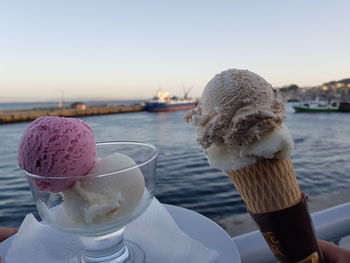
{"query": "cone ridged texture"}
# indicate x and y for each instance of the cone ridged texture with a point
(268, 185)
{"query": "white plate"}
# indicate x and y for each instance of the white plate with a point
(207, 232)
(196, 226)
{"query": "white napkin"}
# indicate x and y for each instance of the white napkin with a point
(155, 231)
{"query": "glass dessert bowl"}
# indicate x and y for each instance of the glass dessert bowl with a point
(99, 205)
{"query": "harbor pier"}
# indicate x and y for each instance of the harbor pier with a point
(22, 115)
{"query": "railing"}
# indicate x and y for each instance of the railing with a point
(331, 224)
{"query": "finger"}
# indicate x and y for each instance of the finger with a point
(330, 251)
(6, 232)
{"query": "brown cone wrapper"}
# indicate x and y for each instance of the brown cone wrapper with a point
(290, 234)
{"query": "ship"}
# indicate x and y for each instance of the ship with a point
(323, 107)
(163, 101)
(317, 106)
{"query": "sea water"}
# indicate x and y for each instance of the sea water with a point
(321, 159)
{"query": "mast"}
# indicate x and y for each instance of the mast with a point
(61, 100)
(186, 91)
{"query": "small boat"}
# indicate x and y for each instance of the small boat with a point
(317, 107)
(163, 101)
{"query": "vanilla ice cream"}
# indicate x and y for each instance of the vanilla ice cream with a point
(239, 120)
(102, 198)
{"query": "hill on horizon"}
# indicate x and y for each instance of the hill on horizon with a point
(343, 81)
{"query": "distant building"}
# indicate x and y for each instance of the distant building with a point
(78, 105)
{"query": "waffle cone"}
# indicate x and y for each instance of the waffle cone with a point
(268, 185)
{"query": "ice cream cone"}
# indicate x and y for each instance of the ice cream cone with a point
(268, 185)
(239, 122)
(273, 197)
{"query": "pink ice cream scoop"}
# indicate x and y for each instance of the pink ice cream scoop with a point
(57, 147)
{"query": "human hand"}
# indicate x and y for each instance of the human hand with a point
(332, 253)
(6, 232)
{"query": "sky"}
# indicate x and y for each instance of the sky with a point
(129, 49)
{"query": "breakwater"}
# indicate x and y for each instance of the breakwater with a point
(22, 115)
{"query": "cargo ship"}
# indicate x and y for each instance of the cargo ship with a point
(163, 101)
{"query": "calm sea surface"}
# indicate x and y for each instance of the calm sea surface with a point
(321, 159)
